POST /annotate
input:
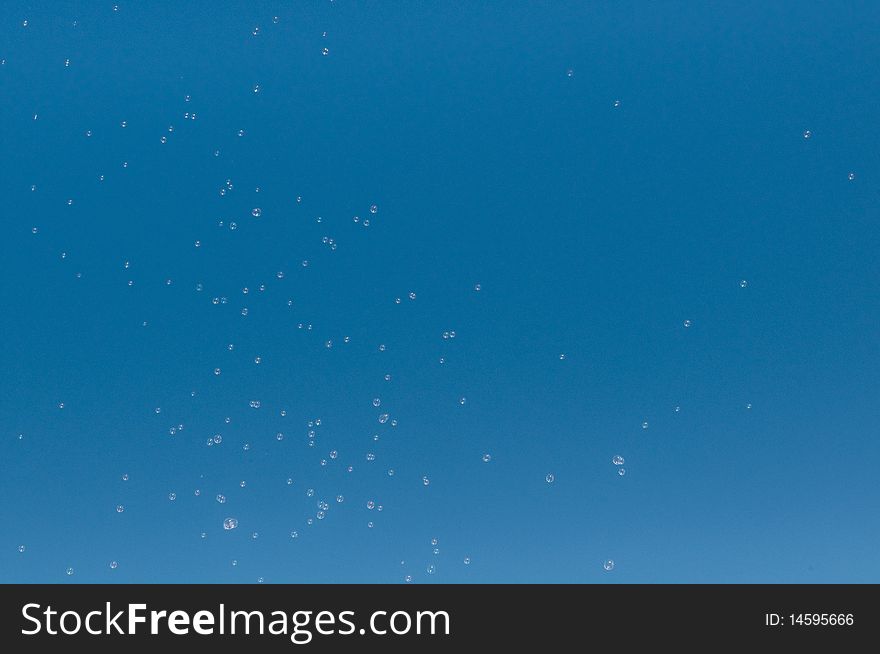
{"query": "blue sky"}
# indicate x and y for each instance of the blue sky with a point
(603, 171)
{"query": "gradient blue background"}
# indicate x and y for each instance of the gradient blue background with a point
(594, 231)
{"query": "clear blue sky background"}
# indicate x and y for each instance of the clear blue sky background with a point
(594, 231)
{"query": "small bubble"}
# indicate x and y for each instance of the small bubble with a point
(617, 460)
(69, 572)
(325, 51)
(426, 481)
(550, 478)
(119, 508)
(256, 212)
(230, 523)
(569, 73)
(687, 323)
(487, 458)
(851, 176)
(807, 134)
(431, 569)
(221, 499)
(113, 565)
(644, 425)
(478, 287)
(373, 208)
(743, 283)
(621, 471)
(608, 565)
(172, 496)
(21, 549)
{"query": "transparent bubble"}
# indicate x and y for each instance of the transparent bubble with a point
(221, 499)
(21, 549)
(376, 401)
(617, 103)
(256, 212)
(255, 535)
(562, 357)
(426, 481)
(119, 508)
(569, 73)
(687, 323)
(462, 401)
(550, 478)
(172, 496)
(242, 483)
(373, 208)
(230, 523)
(467, 560)
(749, 405)
(412, 296)
(69, 572)
(621, 471)
(408, 579)
(644, 425)
(807, 133)
(125, 477)
(608, 565)
(431, 569)
(340, 499)
(294, 534)
(487, 458)
(743, 283)
(851, 176)
(325, 51)
(113, 565)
